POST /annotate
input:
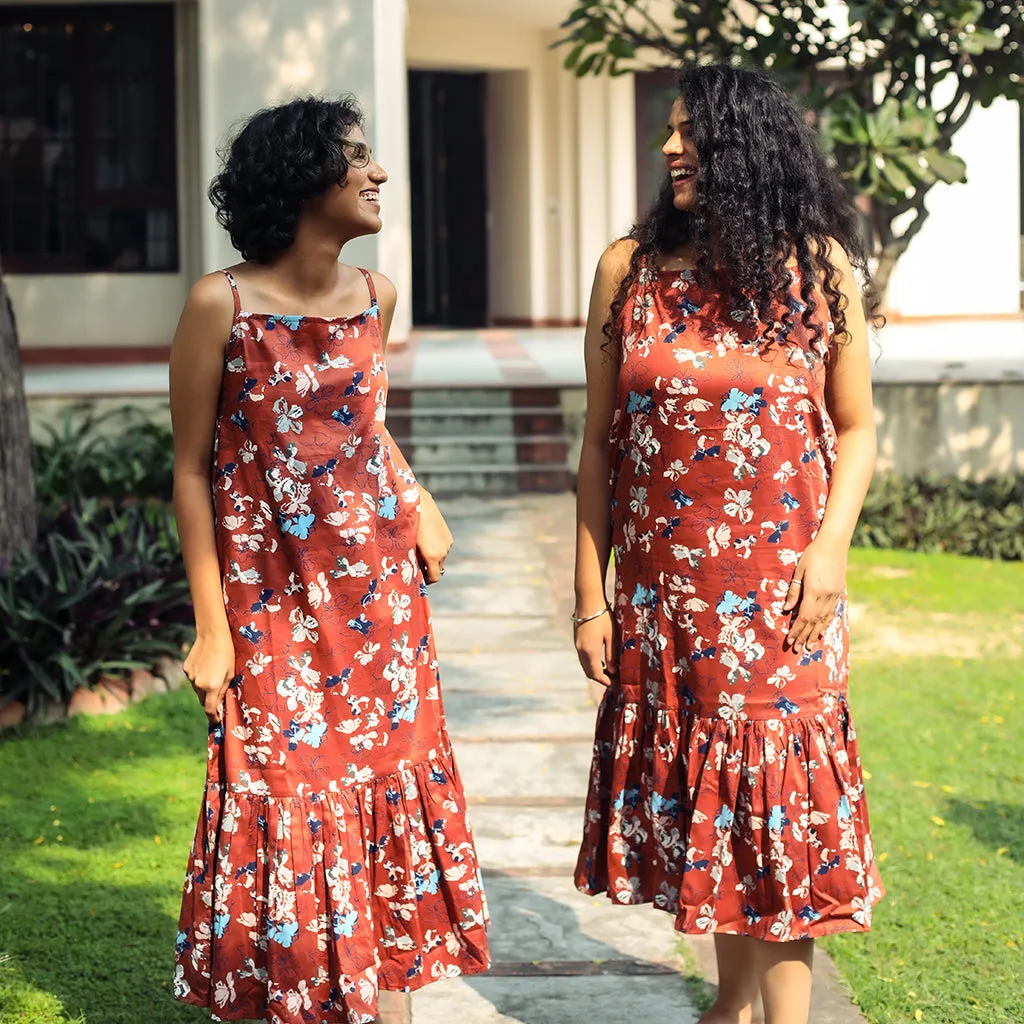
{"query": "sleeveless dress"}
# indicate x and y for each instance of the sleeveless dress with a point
(332, 855)
(726, 786)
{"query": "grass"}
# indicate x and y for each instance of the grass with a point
(905, 581)
(941, 738)
(96, 817)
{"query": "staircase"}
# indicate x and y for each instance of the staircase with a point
(483, 440)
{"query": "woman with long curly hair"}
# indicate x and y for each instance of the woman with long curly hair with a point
(729, 444)
(332, 859)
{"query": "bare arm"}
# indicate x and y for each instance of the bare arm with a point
(197, 366)
(434, 539)
(849, 403)
(820, 578)
(594, 639)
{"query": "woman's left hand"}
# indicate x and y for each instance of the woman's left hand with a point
(434, 539)
(818, 584)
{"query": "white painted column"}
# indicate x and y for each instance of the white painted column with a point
(621, 150)
(511, 243)
(606, 146)
(569, 278)
(538, 154)
(592, 182)
(389, 131)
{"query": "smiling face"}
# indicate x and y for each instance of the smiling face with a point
(681, 157)
(355, 204)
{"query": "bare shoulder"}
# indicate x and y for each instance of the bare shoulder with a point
(837, 256)
(211, 294)
(387, 293)
(615, 259)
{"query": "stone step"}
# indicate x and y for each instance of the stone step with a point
(494, 480)
(485, 441)
(449, 452)
(489, 420)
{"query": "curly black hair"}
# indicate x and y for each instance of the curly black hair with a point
(765, 193)
(282, 157)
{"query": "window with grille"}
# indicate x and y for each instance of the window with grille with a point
(87, 139)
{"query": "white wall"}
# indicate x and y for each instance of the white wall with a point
(966, 258)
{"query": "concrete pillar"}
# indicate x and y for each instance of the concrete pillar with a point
(606, 146)
(389, 133)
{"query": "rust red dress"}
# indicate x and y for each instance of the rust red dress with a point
(726, 786)
(332, 855)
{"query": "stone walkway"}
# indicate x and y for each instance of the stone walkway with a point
(521, 715)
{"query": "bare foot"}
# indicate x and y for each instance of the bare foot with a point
(726, 1015)
(394, 1008)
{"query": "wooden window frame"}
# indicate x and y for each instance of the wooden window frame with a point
(87, 197)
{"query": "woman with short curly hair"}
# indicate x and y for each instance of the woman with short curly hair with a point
(332, 859)
(729, 444)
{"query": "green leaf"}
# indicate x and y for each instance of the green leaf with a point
(573, 56)
(621, 48)
(947, 166)
(896, 177)
(593, 31)
(980, 40)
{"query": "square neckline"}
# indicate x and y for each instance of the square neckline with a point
(364, 314)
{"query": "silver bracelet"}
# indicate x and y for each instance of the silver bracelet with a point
(590, 618)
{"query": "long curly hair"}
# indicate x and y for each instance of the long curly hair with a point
(282, 157)
(765, 193)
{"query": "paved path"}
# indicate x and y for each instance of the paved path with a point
(522, 717)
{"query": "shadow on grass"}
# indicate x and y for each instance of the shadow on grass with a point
(998, 826)
(104, 950)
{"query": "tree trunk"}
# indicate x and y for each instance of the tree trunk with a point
(891, 246)
(887, 260)
(17, 482)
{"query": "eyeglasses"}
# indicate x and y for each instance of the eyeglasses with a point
(356, 153)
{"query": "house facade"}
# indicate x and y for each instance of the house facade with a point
(507, 175)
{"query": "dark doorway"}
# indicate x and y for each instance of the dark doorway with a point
(448, 193)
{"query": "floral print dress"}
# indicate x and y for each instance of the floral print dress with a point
(332, 855)
(726, 787)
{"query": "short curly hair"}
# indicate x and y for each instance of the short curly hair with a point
(282, 157)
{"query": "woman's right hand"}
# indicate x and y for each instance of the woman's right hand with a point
(210, 667)
(596, 647)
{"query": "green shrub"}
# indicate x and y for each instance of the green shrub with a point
(104, 591)
(117, 456)
(936, 513)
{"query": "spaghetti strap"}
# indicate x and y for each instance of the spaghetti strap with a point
(234, 290)
(369, 284)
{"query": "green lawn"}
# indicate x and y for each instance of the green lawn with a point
(905, 581)
(943, 741)
(96, 817)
